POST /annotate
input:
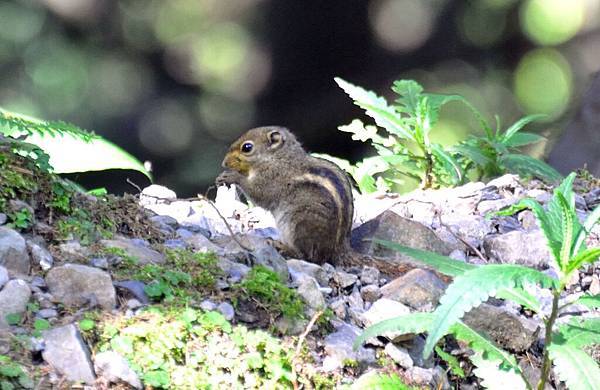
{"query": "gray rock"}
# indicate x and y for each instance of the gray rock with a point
(200, 243)
(471, 228)
(370, 275)
(40, 255)
(232, 269)
(370, 293)
(13, 299)
(133, 304)
(308, 289)
(175, 243)
(13, 252)
(289, 327)
(355, 301)
(155, 194)
(399, 355)
(114, 368)
(338, 306)
(99, 262)
(73, 251)
(226, 309)
(136, 288)
(208, 305)
(459, 255)
(3, 218)
(140, 252)
(344, 279)
(594, 287)
(47, 313)
(384, 309)
(3, 276)
(76, 285)
(310, 269)
(66, 351)
(420, 376)
(269, 257)
(509, 330)
(418, 288)
(338, 347)
(392, 227)
(518, 247)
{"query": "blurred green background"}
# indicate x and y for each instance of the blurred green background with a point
(174, 82)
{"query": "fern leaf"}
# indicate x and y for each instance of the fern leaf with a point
(576, 368)
(528, 166)
(495, 378)
(578, 332)
(591, 301)
(472, 288)
(409, 323)
(588, 225)
(473, 153)
(567, 220)
(586, 256)
(450, 165)
(452, 362)
(520, 296)
(410, 95)
(522, 139)
(377, 108)
(518, 125)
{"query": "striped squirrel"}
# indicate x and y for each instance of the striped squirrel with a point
(310, 198)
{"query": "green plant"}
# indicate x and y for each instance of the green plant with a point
(472, 285)
(407, 151)
(87, 151)
(378, 381)
(175, 348)
(494, 153)
(21, 219)
(266, 287)
(13, 375)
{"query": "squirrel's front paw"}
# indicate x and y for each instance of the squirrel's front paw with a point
(227, 177)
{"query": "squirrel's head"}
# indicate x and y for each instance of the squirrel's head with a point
(259, 145)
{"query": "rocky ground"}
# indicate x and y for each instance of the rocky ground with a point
(49, 286)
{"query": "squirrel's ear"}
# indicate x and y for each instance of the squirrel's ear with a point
(276, 139)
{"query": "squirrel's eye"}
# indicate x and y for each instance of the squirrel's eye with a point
(247, 147)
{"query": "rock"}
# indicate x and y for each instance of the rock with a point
(511, 331)
(289, 327)
(13, 299)
(392, 227)
(344, 279)
(370, 275)
(76, 285)
(47, 313)
(155, 194)
(370, 293)
(233, 270)
(420, 376)
(310, 269)
(338, 306)
(226, 309)
(3, 218)
(3, 276)
(384, 309)
(40, 255)
(594, 287)
(471, 228)
(418, 288)
(114, 368)
(143, 254)
(269, 257)
(518, 247)
(13, 252)
(208, 305)
(399, 355)
(136, 288)
(73, 251)
(338, 347)
(308, 289)
(99, 262)
(133, 304)
(66, 351)
(459, 255)
(200, 243)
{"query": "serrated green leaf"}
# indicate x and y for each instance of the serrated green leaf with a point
(377, 108)
(528, 166)
(578, 332)
(495, 378)
(589, 255)
(410, 94)
(567, 221)
(576, 368)
(520, 296)
(70, 148)
(436, 101)
(473, 153)
(522, 139)
(409, 323)
(472, 288)
(452, 362)
(518, 125)
(588, 224)
(450, 165)
(591, 301)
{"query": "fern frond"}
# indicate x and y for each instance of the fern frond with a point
(567, 220)
(589, 255)
(576, 368)
(474, 287)
(377, 381)
(405, 324)
(495, 378)
(27, 125)
(588, 224)
(578, 332)
(591, 301)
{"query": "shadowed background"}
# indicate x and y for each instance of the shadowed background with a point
(174, 82)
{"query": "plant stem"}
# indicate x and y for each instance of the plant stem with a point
(548, 341)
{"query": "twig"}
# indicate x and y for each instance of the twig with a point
(133, 185)
(301, 339)
(458, 237)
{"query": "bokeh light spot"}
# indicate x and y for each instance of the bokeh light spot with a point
(19, 24)
(401, 25)
(543, 83)
(223, 117)
(482, 25)
(551, 22)
(166, 128)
